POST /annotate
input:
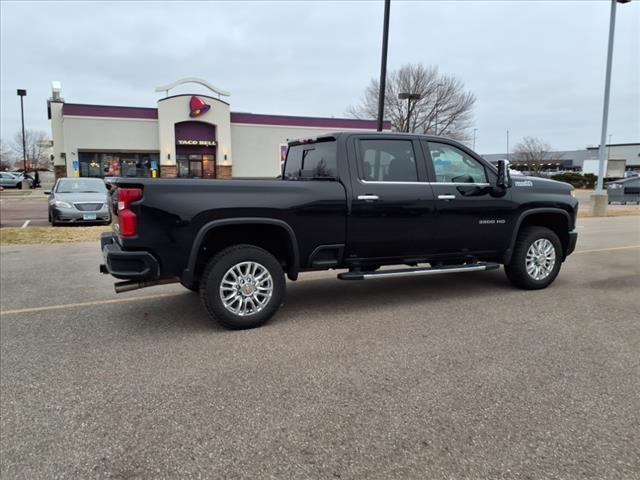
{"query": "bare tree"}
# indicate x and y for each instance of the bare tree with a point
(6, 156)
(38, 147)
(532, 153)
(444, 107)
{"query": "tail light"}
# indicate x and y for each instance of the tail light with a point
(126, 218)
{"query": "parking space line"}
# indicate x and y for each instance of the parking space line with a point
(25, 224)
(606, 249)
(88, 304)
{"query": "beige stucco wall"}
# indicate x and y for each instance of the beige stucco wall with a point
(107, 134)
(57, 134)
(256, 148)
(175, 109)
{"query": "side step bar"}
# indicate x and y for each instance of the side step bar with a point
(407, 272)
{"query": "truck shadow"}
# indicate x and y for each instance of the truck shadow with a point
(327, 296)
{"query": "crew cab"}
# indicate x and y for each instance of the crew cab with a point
(354, 202)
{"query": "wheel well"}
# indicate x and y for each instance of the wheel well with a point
(554, 221)
(272, 238)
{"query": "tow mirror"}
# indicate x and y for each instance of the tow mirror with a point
(504, 176)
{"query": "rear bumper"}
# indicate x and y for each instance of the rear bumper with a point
(127, 265)
(573, 239)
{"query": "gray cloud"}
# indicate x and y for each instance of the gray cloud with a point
(537, 68)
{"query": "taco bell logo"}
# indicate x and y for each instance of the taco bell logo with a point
(197, 107)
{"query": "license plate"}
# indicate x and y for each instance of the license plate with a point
(88, 216)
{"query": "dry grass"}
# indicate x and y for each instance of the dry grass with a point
(15, 235)
(620, 212)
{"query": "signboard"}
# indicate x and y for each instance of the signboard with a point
(201, 143)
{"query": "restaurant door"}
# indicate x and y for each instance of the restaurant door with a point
(196, 165)
(195, 150)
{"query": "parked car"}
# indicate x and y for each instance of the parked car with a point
(624, 191)
(78, 200)
(11, 179)
(353, 201)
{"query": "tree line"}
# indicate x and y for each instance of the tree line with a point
(38, 151)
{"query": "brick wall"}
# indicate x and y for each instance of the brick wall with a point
(223, 171)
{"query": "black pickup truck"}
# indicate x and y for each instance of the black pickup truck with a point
(351, 201)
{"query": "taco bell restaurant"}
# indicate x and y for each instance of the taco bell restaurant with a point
(184, 136)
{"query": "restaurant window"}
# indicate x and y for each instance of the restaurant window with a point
(117, 164)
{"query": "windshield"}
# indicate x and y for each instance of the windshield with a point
(81, 185)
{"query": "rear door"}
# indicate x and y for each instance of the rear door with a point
(392, 205)
(471, 218)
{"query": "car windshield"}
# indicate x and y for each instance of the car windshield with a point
(81, 185)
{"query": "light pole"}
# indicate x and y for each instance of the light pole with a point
(437, 102)
(408, 97)
(383, 64)
(507, 145)
(599, 196)
(23, 93)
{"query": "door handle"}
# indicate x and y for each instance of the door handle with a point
(368, 197)
(446, 197)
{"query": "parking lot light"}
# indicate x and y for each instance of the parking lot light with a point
(599, 198)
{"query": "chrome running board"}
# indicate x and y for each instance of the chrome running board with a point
(408, 272)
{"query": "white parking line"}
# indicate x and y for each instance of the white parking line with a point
(25, 224)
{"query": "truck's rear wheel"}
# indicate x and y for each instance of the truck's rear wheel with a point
(537, 257)
(242, 286)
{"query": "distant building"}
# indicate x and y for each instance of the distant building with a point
(573, 159)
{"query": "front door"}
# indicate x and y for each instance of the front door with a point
(392, 210)
(469, 217)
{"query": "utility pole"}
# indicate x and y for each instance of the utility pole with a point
(507, 145)
(383, 64)
(599, 196)
(408, 97)
(23, 93)
(437, 105)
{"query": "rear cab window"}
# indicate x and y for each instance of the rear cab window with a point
(313, 160)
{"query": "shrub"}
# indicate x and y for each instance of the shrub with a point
(576, 179)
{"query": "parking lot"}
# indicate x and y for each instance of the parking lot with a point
(456, 376)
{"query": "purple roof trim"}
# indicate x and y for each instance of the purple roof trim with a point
(259, 119)
(82, 110)
(108, 111)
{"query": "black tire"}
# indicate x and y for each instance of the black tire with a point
(215, 271)
(52, 219)
(19, 185)
(517, 269)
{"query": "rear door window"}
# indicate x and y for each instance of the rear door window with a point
(387, 161)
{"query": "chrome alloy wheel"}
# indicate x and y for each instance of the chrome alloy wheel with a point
(246, 288)
(541, 258)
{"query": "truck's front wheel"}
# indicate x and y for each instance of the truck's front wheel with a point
(536, 260)
(242, 286)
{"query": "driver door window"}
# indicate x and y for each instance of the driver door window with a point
(452, 165)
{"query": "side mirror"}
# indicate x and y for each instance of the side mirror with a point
(504, 175)
(47, 193)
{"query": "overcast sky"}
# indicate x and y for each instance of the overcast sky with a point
(537, 68)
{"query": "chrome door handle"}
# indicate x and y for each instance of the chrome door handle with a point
(368, 197)
(446, 197)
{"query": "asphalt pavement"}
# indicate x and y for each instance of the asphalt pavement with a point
(17, 210)
(456, 376)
